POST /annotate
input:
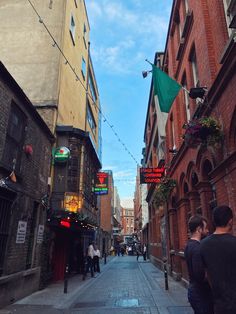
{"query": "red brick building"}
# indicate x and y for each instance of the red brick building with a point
(200, 51)
(127, 221)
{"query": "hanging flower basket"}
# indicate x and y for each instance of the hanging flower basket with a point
(206, 130)
(163, 190)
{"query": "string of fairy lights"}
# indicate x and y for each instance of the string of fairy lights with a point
(67, 62)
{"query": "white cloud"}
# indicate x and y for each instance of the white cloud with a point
(122, 174)
(127, 202)
(130, 33)
(95, 11)
(109, 167)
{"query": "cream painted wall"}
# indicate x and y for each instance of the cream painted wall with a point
(27, 52)
(72, 95)
(26, 49)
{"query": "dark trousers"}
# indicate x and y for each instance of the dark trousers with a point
(200, 301)
(144, 256)
(96, 264)
(90, 266)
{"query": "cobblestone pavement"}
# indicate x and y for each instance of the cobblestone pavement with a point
(124, 286)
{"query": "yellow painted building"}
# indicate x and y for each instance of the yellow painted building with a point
(32, 57)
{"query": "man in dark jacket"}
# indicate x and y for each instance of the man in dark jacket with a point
(218, 253)
(199, 292)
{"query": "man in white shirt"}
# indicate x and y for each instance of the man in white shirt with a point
(90, 256)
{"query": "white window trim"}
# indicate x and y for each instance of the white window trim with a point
(228, 14)
(186, 102)
(173, 134)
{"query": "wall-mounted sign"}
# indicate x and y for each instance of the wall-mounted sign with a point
(40, 234)
(151, 175)
(101, 183)
(21, 232)
(61, 154)
(72, 202)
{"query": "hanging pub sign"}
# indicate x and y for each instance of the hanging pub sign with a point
(151, 175)
(101, 183)
(72, 202)
(61, 154)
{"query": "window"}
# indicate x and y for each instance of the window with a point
(85, 35)
(186, 98)
(193, 61)
(76, 4)
(92, 89)
(180, 30)
(91, 120)
(14, 138)
(83, 68)
(230, 13)
(32, 222)
(72, 29)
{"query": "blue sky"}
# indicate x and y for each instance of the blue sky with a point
(123, 34)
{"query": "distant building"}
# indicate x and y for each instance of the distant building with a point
(140, 210)
(117, 218)
(25, 155)
(127, 223)
(106, 216)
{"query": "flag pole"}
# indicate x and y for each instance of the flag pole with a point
(184, 88)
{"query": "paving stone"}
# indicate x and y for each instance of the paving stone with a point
(124, 286)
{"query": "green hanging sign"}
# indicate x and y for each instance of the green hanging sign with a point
(61, 154)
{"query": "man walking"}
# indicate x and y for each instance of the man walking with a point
(90, 256)
(199, 292)
(218, 253)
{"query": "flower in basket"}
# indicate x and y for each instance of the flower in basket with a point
(211, 129)
(206, 130)
(163, 190)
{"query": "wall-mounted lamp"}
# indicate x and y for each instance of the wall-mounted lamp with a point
(197, 92)
(145, 73)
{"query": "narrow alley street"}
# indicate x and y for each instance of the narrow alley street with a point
(123, 286)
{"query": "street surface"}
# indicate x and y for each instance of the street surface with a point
(124, 286)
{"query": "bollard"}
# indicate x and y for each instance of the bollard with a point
(105, 258)
(165, 274)
(66, 278)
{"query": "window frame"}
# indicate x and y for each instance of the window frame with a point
(72, 28)
(194, 67)
(91, 120)
(186, 97)
(83, 68)
(92, 88)
(230, 12)
(13, 145)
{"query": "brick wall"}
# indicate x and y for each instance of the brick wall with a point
(31, 186)
(212, 167)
